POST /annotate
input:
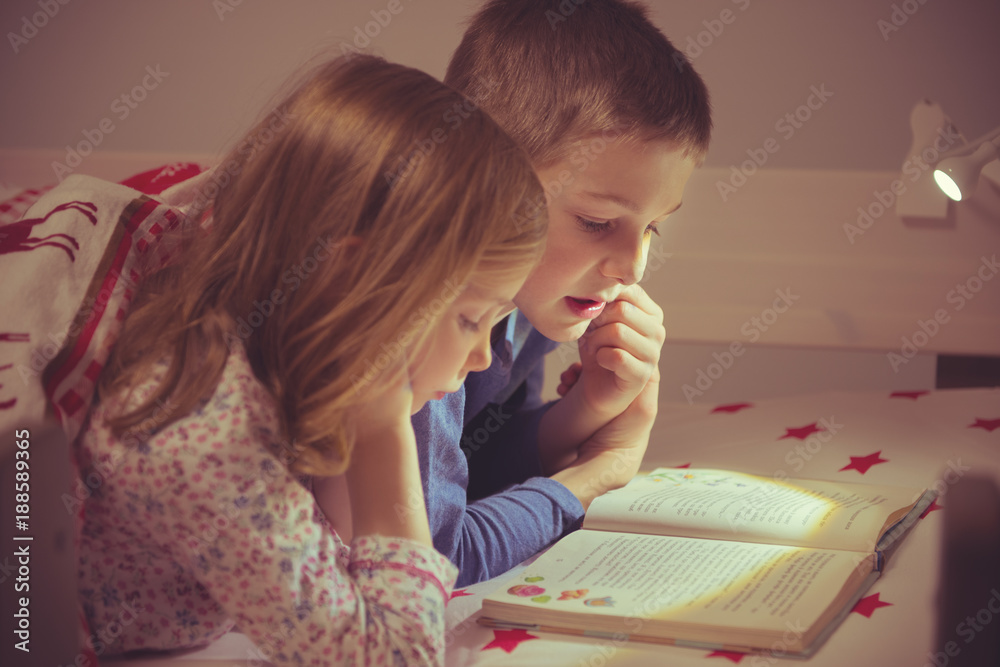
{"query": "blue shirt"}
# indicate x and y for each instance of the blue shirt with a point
(488, 504)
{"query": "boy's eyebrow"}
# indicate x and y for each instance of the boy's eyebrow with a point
(673, 210)
(615, 199)
(627, 204)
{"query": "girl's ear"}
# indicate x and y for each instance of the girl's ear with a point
(352, 242)
(347, 243)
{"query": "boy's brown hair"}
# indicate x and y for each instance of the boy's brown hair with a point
(554, 72)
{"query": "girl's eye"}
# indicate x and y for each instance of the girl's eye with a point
(468, 324)
(652, 228)
(591, 225)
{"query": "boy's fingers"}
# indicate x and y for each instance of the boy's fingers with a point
(622, 336)
(636, 295)
(632, 296)
(648, 324)
(624, 314)
(568, 378)
(625, 367)
(572, 371)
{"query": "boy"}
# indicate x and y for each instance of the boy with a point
(614, 119)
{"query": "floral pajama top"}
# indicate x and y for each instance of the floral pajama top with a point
(199, 528)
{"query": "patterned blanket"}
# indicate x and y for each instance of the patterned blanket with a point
(71, 257)
(68, 268)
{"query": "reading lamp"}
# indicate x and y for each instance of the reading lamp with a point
(958, 171)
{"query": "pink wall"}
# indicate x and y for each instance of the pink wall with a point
(210, 65)
(760, 59)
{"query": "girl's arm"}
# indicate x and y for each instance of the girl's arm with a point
(251, 535)
(299, 595)
(496, 459)
(383, 478)
(381, 493)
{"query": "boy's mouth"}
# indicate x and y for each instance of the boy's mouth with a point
(584, 308)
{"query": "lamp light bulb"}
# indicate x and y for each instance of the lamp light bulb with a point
(947, 184)
(957, 176)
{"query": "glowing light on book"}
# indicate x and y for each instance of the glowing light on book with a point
(734, 502)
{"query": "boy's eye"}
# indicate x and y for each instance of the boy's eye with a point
(468, 324)
(591, 225)
(595, 226)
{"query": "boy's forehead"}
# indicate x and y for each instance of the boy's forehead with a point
(623, 202)
(618, 200)
(635, 176)
(611, 156)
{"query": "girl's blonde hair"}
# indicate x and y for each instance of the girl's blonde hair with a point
(337, 231)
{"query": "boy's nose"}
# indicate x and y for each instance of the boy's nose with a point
(628, 264)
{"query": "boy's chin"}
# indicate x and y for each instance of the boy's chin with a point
(563, 332)
(554, 321)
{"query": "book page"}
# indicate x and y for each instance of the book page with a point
(721, 504)
(650, 582)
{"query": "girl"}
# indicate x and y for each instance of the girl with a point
(354, 252)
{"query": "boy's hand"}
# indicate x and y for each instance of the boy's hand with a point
(628, 433)
(613, 455)
(617, 377)
(620, 352)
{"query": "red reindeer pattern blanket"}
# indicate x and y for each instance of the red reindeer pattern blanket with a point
(70, 259)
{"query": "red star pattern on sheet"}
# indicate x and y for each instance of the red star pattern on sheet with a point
(914, 395)
(801, 432)
(686, 465)
(863, 463)
(732, 656)
(986, 424)
(867, 605)
(930, 508)
(460, 593)
(731, 407)
(508, 640)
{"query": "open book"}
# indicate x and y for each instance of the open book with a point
(714, 559)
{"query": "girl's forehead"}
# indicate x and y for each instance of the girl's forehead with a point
(494, 293)
(495, 289)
